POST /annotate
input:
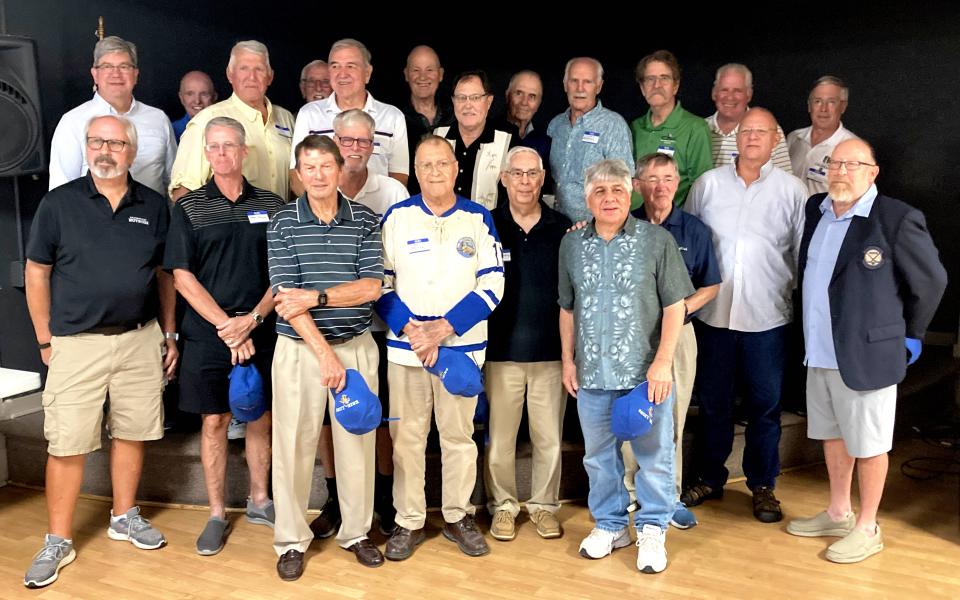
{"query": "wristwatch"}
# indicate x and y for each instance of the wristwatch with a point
(257, 318)
(321, 298)
(43, 346)
(171, 335)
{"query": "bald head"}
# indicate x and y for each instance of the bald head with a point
(851, 171)
(196, 92)
(860, 148)
(757, 137)
(423, 72)
(761, 113)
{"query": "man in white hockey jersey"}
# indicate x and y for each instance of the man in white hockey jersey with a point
(443, 276)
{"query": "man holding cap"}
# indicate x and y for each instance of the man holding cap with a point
(326, 270)
(622, 286)
(443, 271)
(215, 251)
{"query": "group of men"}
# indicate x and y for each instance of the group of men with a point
(303, 247)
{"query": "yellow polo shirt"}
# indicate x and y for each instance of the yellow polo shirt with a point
(267, 163)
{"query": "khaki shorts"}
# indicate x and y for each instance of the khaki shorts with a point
(863, 420)
(84, 368)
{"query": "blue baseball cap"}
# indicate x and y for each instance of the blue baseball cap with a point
(247, 399)
(459, 374)
(632, 414)
(356, 408)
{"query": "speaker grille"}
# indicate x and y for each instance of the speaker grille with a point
(19, 124)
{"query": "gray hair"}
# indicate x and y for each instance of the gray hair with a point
(128, 128)
(521, 149)
(354, 116)
(352, 43)
(832, 80)
(737, 67)
(229, 123)
(111, 44)
(310, 65)
(609, 169)
(654, 159)
(518, 74)
(253, 47)
(592, 61)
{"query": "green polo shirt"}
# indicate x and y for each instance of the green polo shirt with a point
(683, 135)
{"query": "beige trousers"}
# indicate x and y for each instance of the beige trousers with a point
(414, 395)
(506, 385)
(299, 402)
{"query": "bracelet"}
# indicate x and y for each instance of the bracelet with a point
(43, 346)
(171, 335)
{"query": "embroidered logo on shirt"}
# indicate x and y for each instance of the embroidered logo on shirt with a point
(140, 220)
(466, 247)
(872, 257)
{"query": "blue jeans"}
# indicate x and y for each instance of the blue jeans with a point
(608, 498)
(756, 358)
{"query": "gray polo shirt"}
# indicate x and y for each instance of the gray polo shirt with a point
(617, 291)
(304, 252)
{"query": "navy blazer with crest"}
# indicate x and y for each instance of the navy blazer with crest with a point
(886, 285)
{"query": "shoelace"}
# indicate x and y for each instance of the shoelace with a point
(54, 552)
(136, 524)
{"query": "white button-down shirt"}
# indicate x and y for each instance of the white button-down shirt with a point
(156, 149)
(390, 151)
(756, 232)
(809, 162)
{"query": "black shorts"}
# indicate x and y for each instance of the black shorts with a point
(205, 367)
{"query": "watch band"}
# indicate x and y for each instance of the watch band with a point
(321, 298)
(43, 346)
(257, 317)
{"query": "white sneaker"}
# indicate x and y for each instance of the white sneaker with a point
(601, 543)
(236, 430)
(651, 552)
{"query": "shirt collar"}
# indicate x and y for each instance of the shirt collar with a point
(248, 112)
(305, 213)
(629, 227)
(860, 209)
(671, 122)
(673, 219)
(212, 191)
(368, 105)
(130, 196)
(547, 216)
(101, 102)
(588, 114)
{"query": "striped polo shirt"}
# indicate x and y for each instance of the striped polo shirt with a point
(440, 266)
(304, 252)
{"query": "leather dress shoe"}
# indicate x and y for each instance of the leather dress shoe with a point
(367, 553)
(403, 542)
(290, 565)
(464, 532)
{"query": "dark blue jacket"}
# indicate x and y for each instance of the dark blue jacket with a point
(886, 285)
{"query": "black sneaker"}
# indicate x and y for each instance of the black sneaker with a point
(766, 507)
(328, 521)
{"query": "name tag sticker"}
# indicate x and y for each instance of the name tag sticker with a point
(591, 137)
(418, 245)
(284, 131)
(817, 174)
(665, 150)
(258, 216)
(506, 255)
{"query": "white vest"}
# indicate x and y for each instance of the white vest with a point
(491, 160)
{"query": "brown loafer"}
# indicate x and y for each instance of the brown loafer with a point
(402, 543)
(367, 553)
(290, 565)
(465, 534)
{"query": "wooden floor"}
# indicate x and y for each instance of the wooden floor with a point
(729, 555)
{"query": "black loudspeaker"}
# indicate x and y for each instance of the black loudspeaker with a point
(21, 141)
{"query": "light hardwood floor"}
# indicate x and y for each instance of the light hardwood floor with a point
(729, 555)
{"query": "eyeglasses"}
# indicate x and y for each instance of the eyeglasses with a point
(95, 143)
(315, 83)
(122, 67)
(472, 98)
(440, 165)
(518, 174)
(652, 79)
(849, 165)
(757, 131)
(658, 180)
(363, 143)
(227, 147)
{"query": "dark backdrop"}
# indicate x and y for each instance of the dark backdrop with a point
(901, 65)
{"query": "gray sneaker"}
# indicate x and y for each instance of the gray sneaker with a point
(236, 430)
(213, 537)
(55, 555)
(135, 529)
(261, 515)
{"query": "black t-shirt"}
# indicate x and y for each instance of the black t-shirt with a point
(103, 261)
(525, 326)
(223, 244)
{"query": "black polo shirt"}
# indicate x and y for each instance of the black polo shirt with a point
(525, 327)
(223, 243)
(103, 261)
(467, 156)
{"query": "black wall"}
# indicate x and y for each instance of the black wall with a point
(901, 65)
